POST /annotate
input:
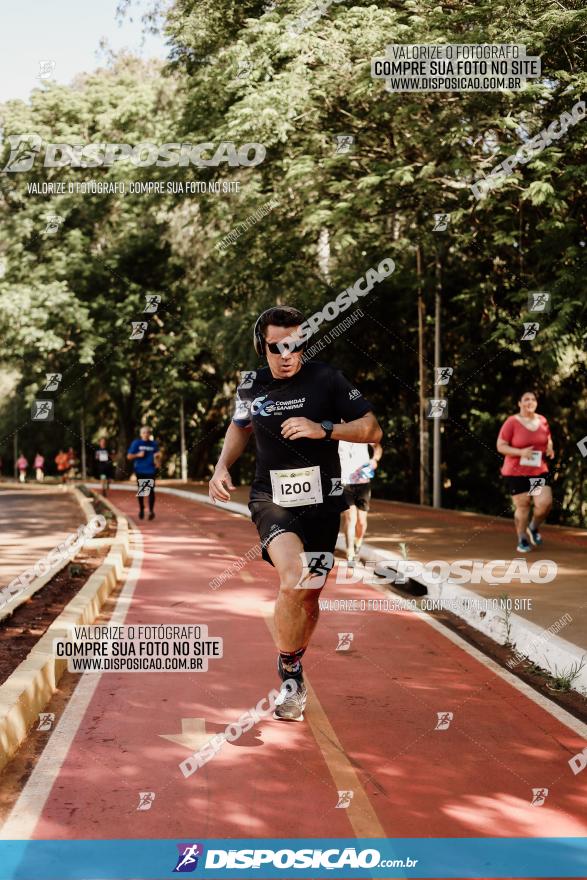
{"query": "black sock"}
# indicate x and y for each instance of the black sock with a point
(152, 499)
(290, 665)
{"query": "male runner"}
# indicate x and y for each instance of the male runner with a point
(146, 456)
(103, 465)
(357, 468)
(298, 412)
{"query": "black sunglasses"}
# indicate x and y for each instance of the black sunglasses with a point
(283, 347)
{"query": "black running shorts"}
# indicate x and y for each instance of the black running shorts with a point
(358, 494)
(521, 485)
(316, 528)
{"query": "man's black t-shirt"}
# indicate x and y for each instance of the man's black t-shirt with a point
(316, 392)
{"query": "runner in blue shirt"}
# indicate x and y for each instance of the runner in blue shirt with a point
(146, 456)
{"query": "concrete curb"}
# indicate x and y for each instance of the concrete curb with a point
(39, 582)
(548, 651)
(32, 684)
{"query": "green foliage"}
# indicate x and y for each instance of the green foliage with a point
(414, 155)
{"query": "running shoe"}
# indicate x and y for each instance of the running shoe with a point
(291, 702)
(141, 514)
(535, 536)
(523, 546)
(151, 515)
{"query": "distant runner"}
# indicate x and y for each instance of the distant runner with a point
(357, 467)
(62, 462)
(39, 466)
(71, 462)
(524, 440)
(297, 412)
(146, 456)
(22, 465)
(104, 465)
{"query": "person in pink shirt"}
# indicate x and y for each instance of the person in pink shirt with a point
(525, 441)
(39, 466)
(22, 465)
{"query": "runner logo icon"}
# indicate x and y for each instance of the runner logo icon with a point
(539, 795)
(315, 569)
(337, 487)
(187, 861)
(344, 641)
(536, 485)
(344, 800)
(247, 378)
(145, 486)
(146, 799)
(444, 719)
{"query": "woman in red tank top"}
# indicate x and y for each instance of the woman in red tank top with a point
(525, 441)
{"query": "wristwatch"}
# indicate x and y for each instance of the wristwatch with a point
(328, 428)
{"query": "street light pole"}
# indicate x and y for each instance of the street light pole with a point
(183, 453)
(15, 436)
(83, 440)
(436, 437)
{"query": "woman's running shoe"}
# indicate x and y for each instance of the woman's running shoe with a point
(523, 546)
(535, 536)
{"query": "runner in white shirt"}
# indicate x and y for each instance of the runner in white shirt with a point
(357, 467)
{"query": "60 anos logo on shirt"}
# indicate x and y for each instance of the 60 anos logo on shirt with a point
(262, 406)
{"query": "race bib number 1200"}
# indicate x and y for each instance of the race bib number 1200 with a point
(296, 487)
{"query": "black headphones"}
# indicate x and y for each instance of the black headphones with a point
(258, 338)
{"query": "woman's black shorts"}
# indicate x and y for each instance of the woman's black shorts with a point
(521, 485)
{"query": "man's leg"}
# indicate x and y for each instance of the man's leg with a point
(349, 524)
(152, 501)
(521, 513)
(296, 615)
(361, 528)
(296, 610)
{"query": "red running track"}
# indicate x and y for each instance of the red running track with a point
(378, 701)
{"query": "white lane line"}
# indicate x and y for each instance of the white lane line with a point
(24, 816)
(230, 506)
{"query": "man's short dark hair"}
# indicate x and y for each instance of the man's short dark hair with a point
(281, 316)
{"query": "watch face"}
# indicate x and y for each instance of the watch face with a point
(328, 426)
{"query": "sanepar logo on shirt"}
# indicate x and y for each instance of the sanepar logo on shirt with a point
(263, 407)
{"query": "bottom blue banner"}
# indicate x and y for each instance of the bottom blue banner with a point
(446, 858)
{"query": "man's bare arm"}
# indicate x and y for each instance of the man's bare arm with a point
(235, 443)
(363, 430)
